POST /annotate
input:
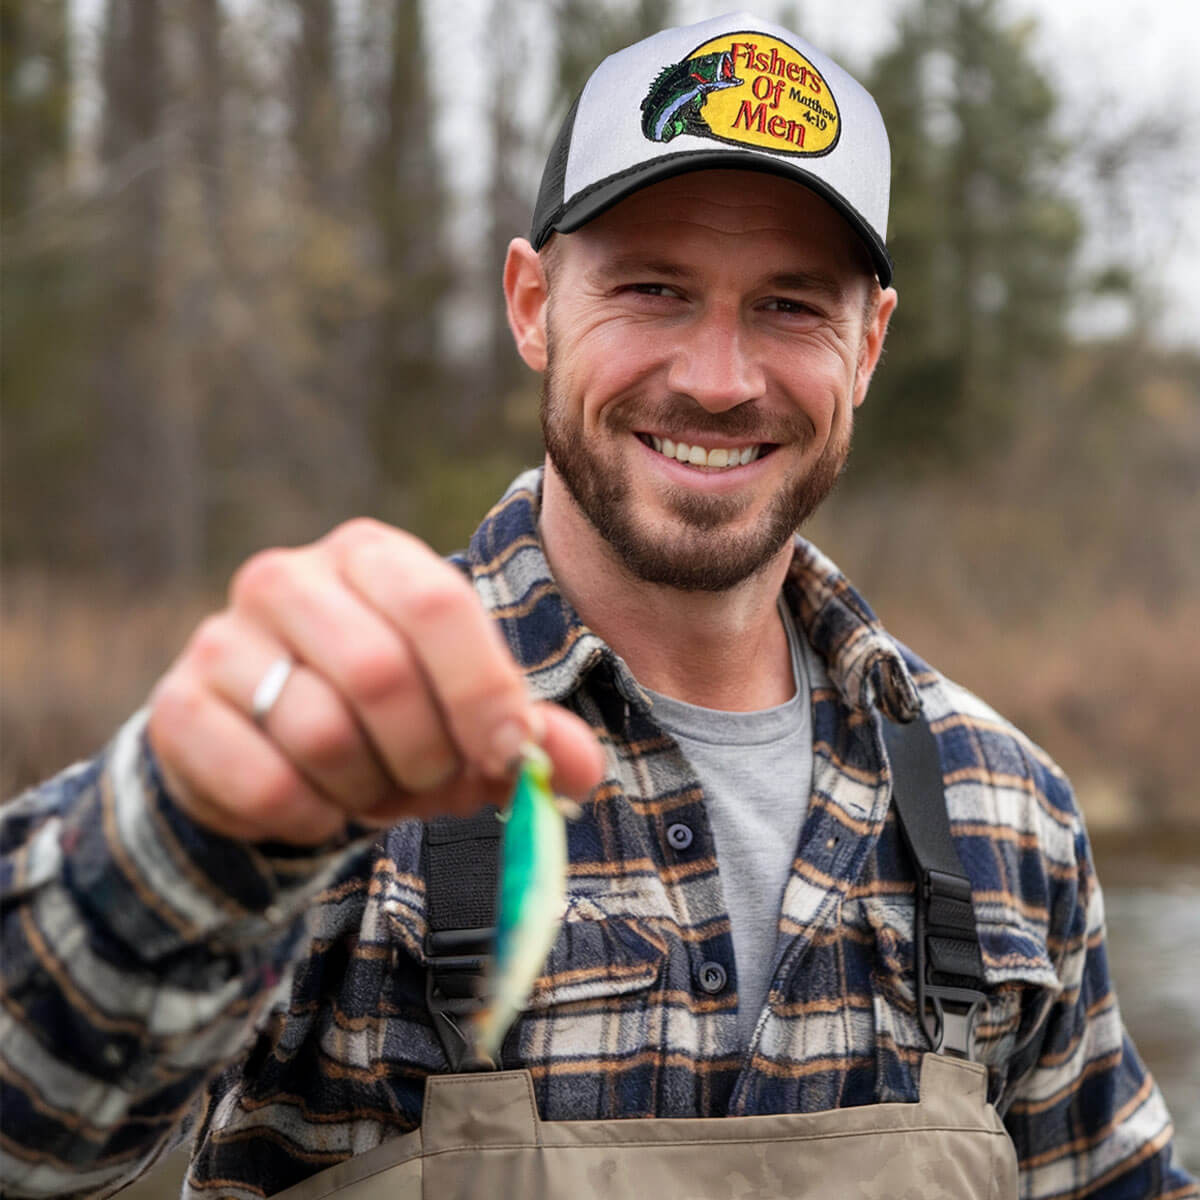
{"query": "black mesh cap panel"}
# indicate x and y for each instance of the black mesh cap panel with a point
(550, 194)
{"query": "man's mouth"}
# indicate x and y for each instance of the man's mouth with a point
(721, 457)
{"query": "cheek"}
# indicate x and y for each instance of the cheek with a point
(824, 391)
(583, 389)
(611, 366)
(628, 348)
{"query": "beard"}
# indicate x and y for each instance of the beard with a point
(695, 548)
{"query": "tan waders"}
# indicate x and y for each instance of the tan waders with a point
(481, 1136)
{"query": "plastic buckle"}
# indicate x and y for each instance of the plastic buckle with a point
(448, 953)
(950, 1030)
(946, 1014)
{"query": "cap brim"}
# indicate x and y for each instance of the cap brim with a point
(600, 197)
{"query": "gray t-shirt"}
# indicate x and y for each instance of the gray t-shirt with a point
(756, 772)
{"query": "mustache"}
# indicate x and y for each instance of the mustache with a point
(681, 416)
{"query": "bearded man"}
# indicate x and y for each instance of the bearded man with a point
(249, 920)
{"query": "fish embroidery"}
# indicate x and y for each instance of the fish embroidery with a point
(673, 104)
(532, 897)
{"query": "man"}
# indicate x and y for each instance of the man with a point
(223, 924)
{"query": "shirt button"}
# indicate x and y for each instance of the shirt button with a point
(712, 977)
(679, 835)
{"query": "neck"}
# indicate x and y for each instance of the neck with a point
(725, 650)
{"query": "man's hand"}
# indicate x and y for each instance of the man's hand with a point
(403, 700)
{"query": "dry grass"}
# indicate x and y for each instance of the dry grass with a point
(77, 657)
(1111, 697)
(1061, 583)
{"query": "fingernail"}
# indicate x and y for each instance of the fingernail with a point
(537, 727)
(504, 755)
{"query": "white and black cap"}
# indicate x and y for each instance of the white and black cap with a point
(731, 92)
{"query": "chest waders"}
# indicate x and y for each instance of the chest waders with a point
(481, 1136)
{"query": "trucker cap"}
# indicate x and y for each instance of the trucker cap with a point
(731, 92)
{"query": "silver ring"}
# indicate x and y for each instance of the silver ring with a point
(269, 688)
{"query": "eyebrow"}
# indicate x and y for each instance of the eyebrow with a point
(807, 281)
(665, 268)
(632, 264)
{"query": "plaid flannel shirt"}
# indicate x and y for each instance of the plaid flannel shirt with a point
(162, 982)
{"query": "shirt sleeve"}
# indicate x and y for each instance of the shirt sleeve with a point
(140, 954)
(1088, 1120)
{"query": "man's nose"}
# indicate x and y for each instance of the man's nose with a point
(712, 363)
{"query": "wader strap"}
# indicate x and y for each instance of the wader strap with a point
(948, 963)
(461, 860)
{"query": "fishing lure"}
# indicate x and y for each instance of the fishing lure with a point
(532, 895)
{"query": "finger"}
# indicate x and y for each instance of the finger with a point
(201, 809)
(462, 796)
(578, 757)
(326, 625)
(308, 721)
(579, 765)
(227, 776)
(473, 677)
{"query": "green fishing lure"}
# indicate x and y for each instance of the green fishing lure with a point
(532, 895)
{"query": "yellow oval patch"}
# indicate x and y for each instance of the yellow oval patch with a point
(782, 104)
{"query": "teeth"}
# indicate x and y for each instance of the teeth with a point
(697, 456)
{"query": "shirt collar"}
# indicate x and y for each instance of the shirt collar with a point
(557, 651)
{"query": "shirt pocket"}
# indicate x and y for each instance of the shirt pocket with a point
(592, 1014)
(1020, 984)
(599, 954)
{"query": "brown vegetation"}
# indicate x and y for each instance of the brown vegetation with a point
(1060, 580)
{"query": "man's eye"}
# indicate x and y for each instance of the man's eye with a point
(652, 289)
(784, 305)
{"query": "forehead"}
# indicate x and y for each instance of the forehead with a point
(750, 213)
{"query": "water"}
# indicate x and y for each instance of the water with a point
(1154, 954)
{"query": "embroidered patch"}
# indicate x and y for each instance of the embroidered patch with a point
(747, 89)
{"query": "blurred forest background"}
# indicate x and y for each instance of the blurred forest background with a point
(246, 294)
(250, 287)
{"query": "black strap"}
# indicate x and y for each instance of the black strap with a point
(948, 963)
(461, 862)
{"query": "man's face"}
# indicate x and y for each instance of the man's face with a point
(728, 312)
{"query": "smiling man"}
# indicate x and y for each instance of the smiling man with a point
(704, 346)
(831, 927)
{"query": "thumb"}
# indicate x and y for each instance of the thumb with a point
(578, 757)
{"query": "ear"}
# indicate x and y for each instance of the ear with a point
(872, 342)
(525, 294)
